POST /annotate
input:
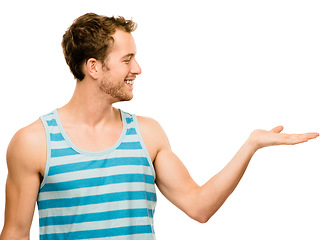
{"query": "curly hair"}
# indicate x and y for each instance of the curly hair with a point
(90, 36)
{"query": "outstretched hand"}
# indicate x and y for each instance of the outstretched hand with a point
(262, 138)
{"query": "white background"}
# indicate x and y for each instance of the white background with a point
(212, 72)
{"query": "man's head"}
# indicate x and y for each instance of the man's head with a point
(91, 36)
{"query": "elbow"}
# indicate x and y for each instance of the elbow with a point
(201, 216)
(200, 209)
(202, 219)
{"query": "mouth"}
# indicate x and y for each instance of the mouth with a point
(129, 82)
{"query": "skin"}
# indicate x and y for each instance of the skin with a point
(94, 125)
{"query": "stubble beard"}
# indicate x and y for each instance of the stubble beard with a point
(116, 91)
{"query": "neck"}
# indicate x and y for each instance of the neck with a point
(89, 107)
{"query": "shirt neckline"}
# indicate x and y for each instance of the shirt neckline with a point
(91, 153)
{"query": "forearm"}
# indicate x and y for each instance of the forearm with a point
(210, 197)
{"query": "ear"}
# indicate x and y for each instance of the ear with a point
(92, 68)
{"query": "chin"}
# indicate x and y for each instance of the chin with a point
(124, 99)
(128, 97)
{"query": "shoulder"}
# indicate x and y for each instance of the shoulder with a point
(153, 135)
(150, 126)
(29, 135)
(148, 123)
(28, 146)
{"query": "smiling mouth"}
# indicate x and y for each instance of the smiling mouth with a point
(129, 82)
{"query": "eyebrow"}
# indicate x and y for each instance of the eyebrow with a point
(128, 55)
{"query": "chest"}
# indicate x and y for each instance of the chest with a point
(94, 140)
(100, 140)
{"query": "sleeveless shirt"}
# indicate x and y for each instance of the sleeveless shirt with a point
(96, 195)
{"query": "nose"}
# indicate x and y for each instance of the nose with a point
(136, 69)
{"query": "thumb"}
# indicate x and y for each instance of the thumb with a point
(277, 129)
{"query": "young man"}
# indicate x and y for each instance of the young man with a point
(92, 168)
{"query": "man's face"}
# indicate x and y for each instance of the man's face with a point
(120, 68)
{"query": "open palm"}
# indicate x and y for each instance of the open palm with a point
(263, 138)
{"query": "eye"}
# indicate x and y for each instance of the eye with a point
(127, 60)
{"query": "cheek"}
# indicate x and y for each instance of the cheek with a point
(117, 72)
(120, 73)
(113, 75)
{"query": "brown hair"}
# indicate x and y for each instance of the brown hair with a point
(90, 36)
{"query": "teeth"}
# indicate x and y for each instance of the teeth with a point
(129, 82)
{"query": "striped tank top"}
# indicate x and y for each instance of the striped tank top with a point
(96, 195)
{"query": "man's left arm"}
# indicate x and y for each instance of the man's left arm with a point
(201, 202)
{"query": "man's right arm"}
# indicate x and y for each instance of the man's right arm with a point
(26, 157)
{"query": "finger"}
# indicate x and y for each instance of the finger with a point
(312, 135)
(277, 129)
(291, 139)
(303, 137)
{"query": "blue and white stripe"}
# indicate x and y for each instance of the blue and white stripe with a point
(96, 195)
